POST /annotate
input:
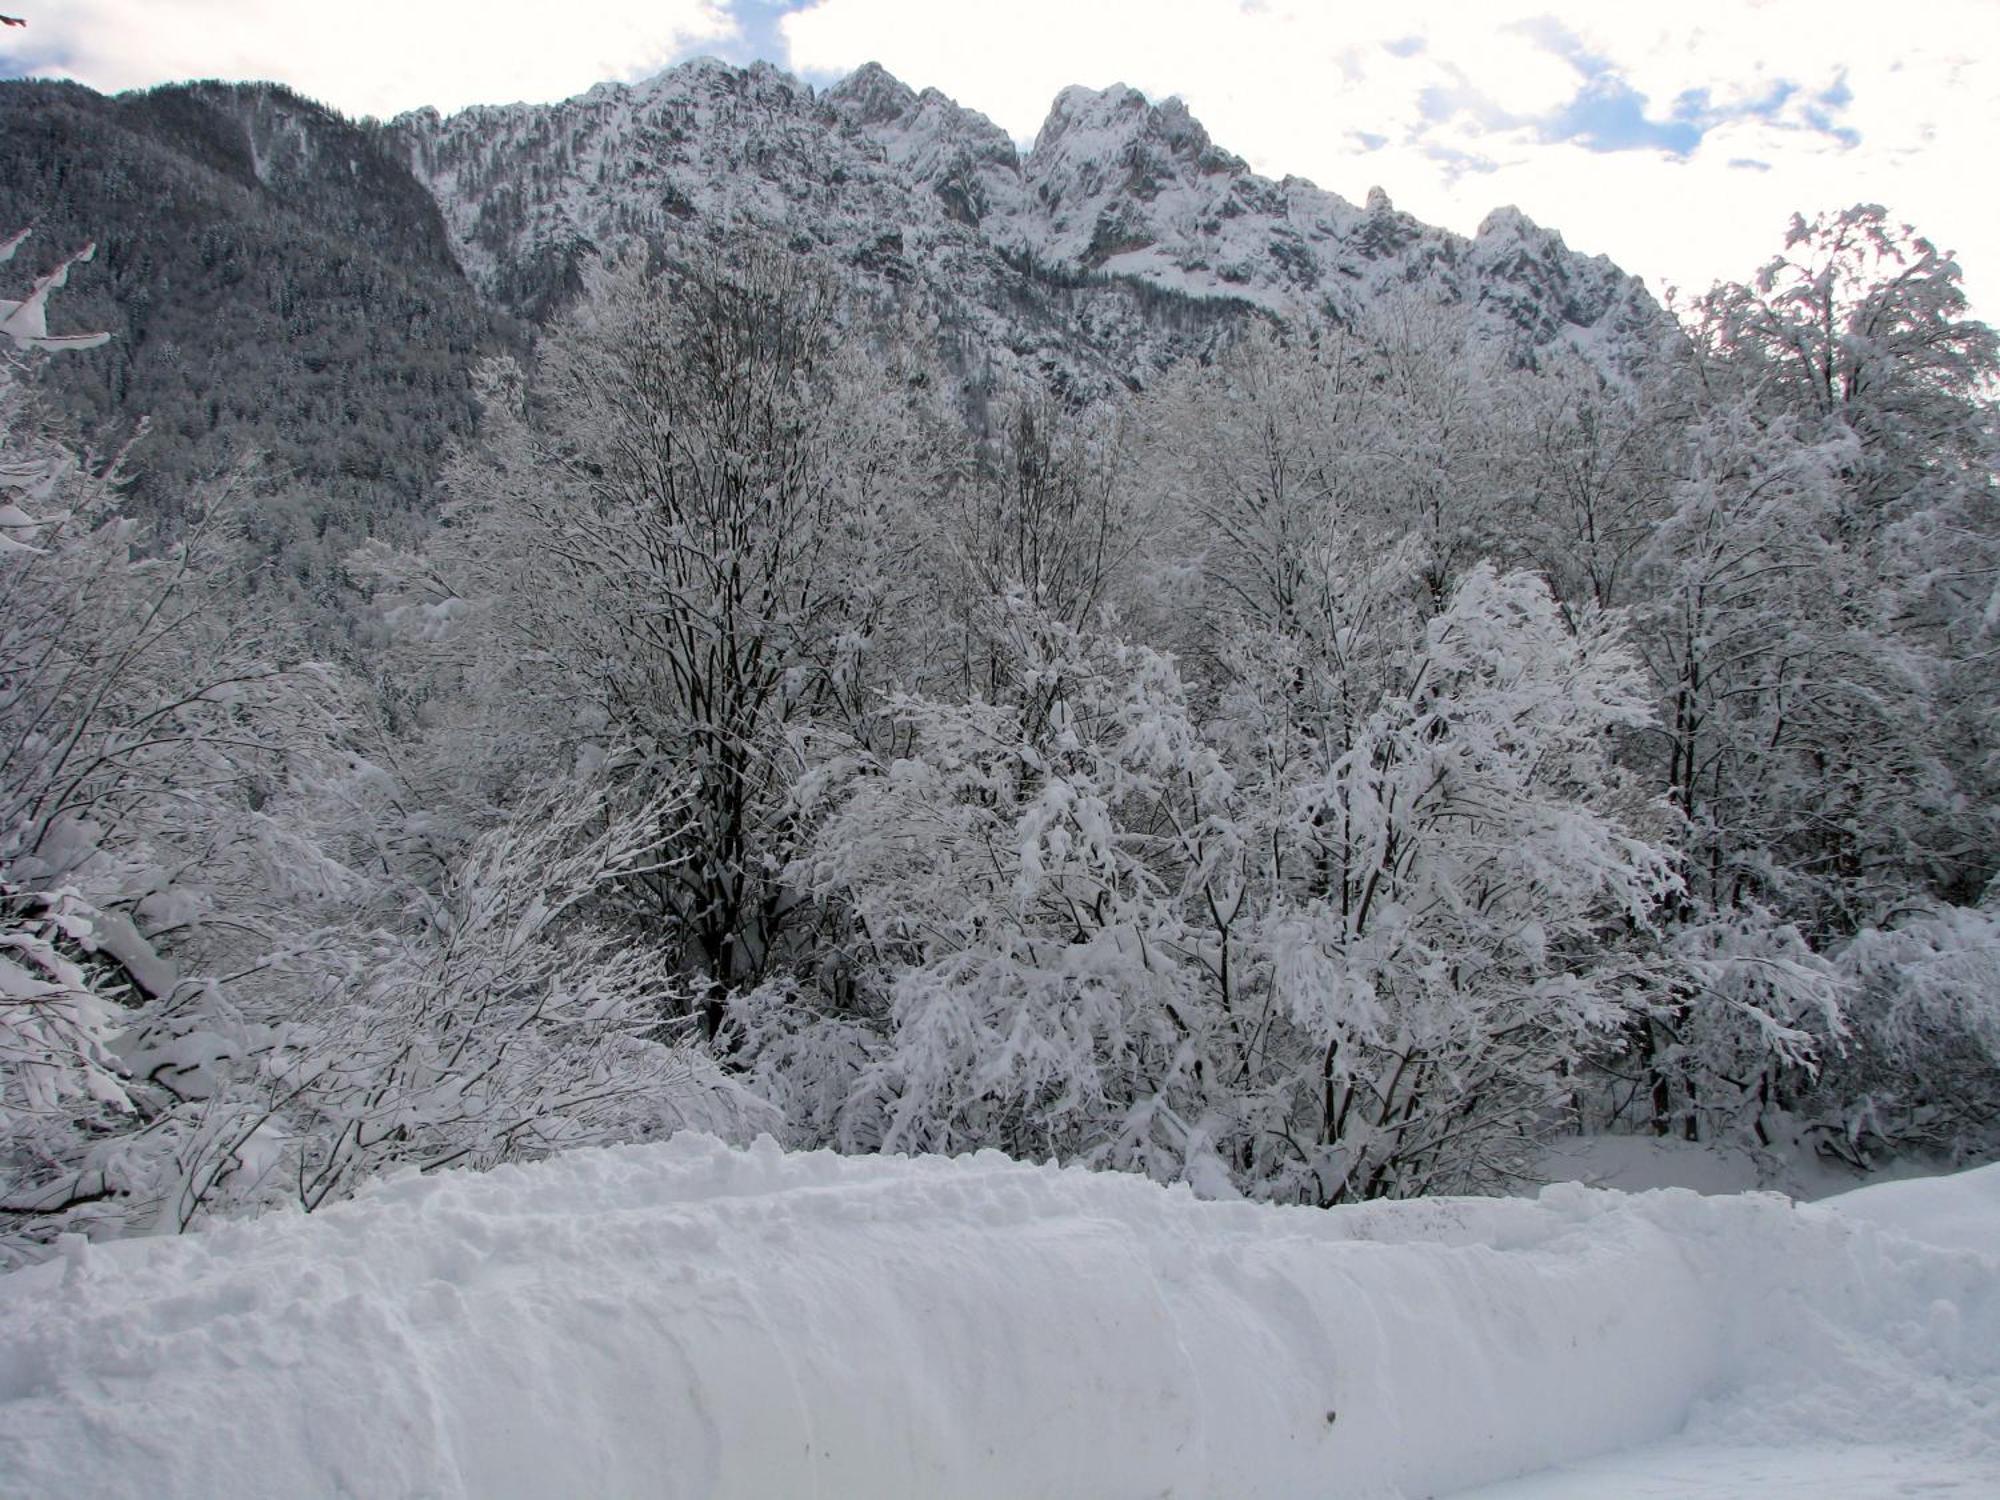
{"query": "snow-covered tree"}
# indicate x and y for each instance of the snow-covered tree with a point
(69, 739)
(1429, 447)
(26, 322)
(1017, 904)
(1255, 458)
(1924, 1005)
(1807, 610)
(1464, 879)
(1043, 512)
(1584, 471)
(1356, 970)
(1857, 341)
(502, 1018)
(1862, 322)
(237, 964)
(683, 542)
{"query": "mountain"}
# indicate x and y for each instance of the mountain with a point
(1160, 238)
(285, 279)
(527, 191)
(276, 278)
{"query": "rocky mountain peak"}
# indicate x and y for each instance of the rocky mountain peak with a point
(1118, 126)
(967, 162)
(1114, 175)
(1080, 110)
(1508, 221)
(873, 102)
(871, 96)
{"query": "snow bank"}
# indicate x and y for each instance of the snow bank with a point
(1959, 1212)
(1791, 1165)
(688, 1320)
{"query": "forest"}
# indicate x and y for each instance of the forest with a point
(1320, 775)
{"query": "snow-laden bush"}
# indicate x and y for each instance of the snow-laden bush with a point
(493, 1017)
(499, 1020)
(1359, 969)
(1925, 1011)
(236, 966)
(1744, 1021)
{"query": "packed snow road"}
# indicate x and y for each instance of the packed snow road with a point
(690, 1320)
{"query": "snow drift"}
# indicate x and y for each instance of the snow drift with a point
(691, 1320)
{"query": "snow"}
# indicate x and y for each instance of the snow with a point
(1960, 1212)
(27, 322)
(686, 1319)
(1698, 1471)
(1805, 1443)
(1791, 1165)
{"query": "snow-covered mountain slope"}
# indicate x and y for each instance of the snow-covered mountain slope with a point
(1119, 184)
(276, 282)
(1123, 240)
(688, 1320)
(700, 150)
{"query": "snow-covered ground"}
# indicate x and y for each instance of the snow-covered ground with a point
(690, 1320)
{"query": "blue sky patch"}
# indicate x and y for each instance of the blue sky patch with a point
(1610, 115)
(759, 33)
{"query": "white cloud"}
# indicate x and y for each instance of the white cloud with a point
(375, 57)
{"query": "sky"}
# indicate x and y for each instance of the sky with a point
(1677, 138)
